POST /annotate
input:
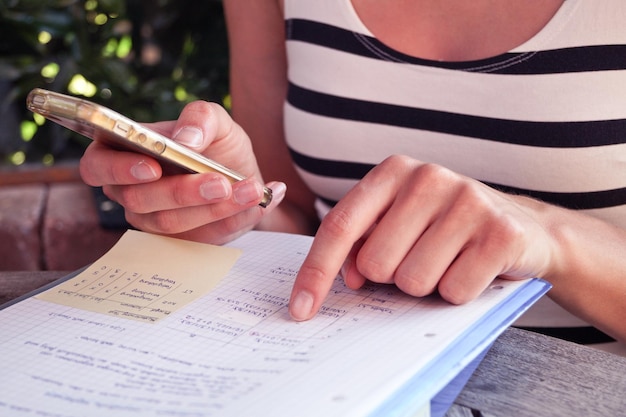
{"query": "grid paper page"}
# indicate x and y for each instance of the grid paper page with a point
(234, 351)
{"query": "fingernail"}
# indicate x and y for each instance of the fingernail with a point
(301, 305)
(189, 136)
(247, 192)
(214, 189)
(279, 189)
(143, 172)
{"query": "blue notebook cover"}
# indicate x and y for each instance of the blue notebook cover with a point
(455, 365)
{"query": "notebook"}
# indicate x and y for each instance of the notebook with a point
(164, 327)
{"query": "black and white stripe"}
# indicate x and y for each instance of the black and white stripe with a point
(547, 119)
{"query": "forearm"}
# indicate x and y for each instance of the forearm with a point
(258, 72)
(589, 275)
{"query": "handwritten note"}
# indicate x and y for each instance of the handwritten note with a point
(146, 277)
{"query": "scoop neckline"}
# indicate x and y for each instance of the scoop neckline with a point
(521, 52)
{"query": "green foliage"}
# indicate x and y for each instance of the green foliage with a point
(143, 58)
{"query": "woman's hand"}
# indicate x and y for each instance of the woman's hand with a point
(423, 228)
(201, 207)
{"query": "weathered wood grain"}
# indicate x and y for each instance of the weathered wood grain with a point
(460, 411)
(526, 374)
(14, 284)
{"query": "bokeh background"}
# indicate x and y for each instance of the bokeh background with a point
(143, 58)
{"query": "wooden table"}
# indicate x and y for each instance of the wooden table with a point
(524, 374)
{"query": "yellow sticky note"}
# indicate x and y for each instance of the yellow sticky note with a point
(146, 277)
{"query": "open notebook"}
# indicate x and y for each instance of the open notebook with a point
(163, 327)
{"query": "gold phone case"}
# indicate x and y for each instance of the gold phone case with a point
(100, 123)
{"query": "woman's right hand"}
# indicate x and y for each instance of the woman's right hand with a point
(201, 207)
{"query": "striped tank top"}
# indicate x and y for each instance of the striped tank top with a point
(546, 119)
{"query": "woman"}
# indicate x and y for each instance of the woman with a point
(443, 143)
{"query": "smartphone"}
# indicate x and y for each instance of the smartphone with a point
(105, 125)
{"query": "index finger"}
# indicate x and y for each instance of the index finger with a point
(350, 219)
(102, 165)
